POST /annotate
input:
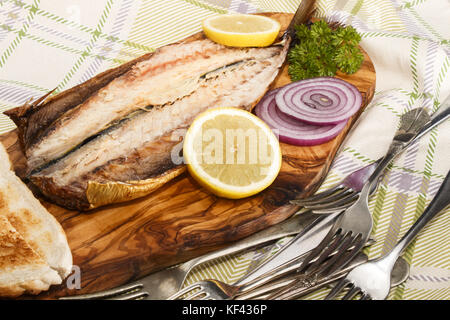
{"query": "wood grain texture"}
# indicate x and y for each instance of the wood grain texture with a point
(119, 243)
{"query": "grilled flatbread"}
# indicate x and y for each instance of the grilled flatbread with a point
(21, 268)
(41, 255)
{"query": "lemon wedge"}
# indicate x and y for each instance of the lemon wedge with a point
(231, 152)
(241, 30)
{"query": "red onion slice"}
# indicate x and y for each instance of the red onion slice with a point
(293, 131)
(319, 101)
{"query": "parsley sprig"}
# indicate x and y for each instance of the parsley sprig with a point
(322, 51)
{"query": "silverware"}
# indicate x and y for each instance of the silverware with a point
(164, 283)
(220, 290)
(372, 279)
(353, 226)
(212, 289)
(288, 287)
(344, 193)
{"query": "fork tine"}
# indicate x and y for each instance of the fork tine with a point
(337, 289)
(327, 195)
(344, 201)
(317, 250)
(354, 290)
(343, 259)
(300, 285)
(106, 294)
(365, 296)
(131, 296)
(328, 250)
(330, 210)
(197, 294)
(344, 244)
(182, 292)
(323, 194)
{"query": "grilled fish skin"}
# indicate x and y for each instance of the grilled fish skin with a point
(33, 120)
(117, 143)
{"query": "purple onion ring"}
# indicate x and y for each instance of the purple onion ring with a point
(320, 101)
(290, 130)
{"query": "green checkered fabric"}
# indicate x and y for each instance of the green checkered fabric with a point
(56, 44)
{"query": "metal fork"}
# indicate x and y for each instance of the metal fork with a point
(354, 225)
(294, 286)
(212, 289)
(372, 279)
(344, 193)
(297, 285)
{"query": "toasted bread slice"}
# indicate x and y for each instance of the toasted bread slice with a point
(21, 268)
(39, 229)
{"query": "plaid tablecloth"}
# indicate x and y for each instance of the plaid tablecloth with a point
(46, 44)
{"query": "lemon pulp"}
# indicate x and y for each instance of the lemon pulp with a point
(231, 152)
(241, 30)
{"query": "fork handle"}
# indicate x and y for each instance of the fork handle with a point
(286, 228)
(404, 139)
(357, 180)
(437, 118)
(305, 241)
(439, 203)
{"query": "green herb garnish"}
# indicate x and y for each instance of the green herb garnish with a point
(323, 51)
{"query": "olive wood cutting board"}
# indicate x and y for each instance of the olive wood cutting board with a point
(119, 243)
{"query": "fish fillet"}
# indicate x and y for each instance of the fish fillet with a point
(123, 140)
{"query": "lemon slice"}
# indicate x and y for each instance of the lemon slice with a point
(231, 152)
(241, 30)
